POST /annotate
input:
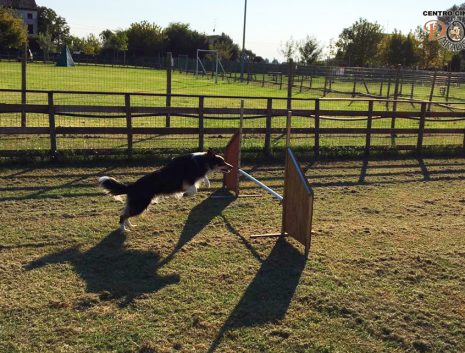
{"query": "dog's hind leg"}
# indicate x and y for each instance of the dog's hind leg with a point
(134, 207)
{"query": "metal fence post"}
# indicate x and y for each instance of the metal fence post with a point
(269, 107)
(421, 127)
(316, 147)
(51, 124)
(201, 126)
(127, 103)
(369, 125)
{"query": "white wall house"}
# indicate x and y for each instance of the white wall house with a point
(27, 9)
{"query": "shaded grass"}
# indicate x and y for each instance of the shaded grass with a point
(385, 272)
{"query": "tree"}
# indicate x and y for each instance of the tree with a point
(13, 33)
(309, 50)
(44, 40)
(227, 49)
(431, 54)
(145, 38)
(114, 41)
(91, 45)
(358, 44)
(56, 26)
(180, 39)
(288, 49)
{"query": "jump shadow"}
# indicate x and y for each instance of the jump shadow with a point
(199, 217)
(269, 295)
(109, 268)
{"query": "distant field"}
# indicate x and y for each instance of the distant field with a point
(117, 79)
(385, 272)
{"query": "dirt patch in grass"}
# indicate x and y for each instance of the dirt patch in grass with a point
(385, 272)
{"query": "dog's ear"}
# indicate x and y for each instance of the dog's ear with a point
(210, 152)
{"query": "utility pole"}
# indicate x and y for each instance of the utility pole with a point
(243, 43)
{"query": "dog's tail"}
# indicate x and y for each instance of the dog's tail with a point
(113, 186)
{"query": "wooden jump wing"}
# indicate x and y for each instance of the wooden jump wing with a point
(297, 203)
(232, 156)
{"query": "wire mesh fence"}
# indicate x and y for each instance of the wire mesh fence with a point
(258, 79)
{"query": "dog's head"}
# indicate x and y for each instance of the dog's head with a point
(217, 163)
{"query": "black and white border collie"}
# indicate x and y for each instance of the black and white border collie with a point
(182, 176)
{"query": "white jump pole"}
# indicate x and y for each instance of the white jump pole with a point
(259, 183)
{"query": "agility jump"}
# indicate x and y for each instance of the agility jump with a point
(297, 201)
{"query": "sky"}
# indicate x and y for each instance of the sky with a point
(270, 23)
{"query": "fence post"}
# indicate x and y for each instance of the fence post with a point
(269, 107)
(51, 124)
(432, 89)
(316, 147)
(127, 104)
(290, 83)
(169, 58)
(369, 125)
(421, 127)
(281, 81)
(354, 88)
(301, 83)
(326, 84)
(412, 89)
(201, 126)
(311, 81)
(448, 86)
(24, 85)
(263, 80)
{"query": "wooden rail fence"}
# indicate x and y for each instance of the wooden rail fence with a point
(202, 113)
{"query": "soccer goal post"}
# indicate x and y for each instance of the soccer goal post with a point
(200, 64)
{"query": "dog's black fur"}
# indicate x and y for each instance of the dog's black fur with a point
(181, 176)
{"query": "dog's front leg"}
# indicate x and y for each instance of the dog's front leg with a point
(191, 190)
(207, 182)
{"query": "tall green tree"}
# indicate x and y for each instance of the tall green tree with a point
(289, 49)
(227, 49)
(13, 33)
(44, 40)
(91, 45)
(115, 41)
(431, 54)
(181, 39)
(145, 38)
(358, 44)
(50, 22)
(309, 50)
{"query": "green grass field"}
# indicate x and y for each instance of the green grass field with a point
(385, 272)
(116, 79)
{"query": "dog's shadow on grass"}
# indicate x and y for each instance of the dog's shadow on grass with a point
(111, 270)
(199, 217)
(118, 273)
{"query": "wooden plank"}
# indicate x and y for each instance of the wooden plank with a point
(51, 122)
(232, 156)
(127, 102)
(421, 127)
(297, 203)
(201, 125)
(317, 128)
(28, 108)
(269, 107)
(24, 130)
(369, 126)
